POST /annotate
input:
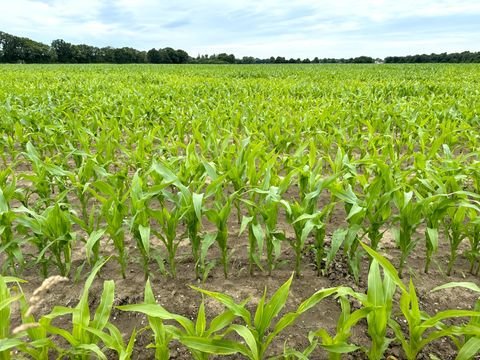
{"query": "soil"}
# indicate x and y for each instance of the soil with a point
(176, 295)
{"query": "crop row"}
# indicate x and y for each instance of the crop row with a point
(256, 328)
(47, 211)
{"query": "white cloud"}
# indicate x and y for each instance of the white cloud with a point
(342, 28)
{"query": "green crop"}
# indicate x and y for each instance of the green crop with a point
(113, 196)
(260, 328)
(418, 321)
(197, 336)
(87, 332)
(9, 246)
(95, 165)
(218, 215)
(409, 218)
(52, 234)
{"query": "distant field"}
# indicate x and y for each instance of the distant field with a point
(236, 177)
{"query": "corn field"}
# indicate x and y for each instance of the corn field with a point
(209, 174)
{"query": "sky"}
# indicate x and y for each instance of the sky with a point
(259, 28)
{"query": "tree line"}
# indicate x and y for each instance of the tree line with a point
(463, 57)
(15, 49)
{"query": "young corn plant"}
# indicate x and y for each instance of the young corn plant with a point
(356, 210)
(113, 195)
(86, 171)
(198, 336)
(52, 234)
(299, 220)
(87, 332)
(218, 215)
(46, 176)
(237, 171)
(8, 341)
(434, 210)
(378, 192)
(169, 220)
(256, 238)
(28, 338)
(10, 246)
(259, 329)
(422, 328)
(140, 221)
(468, 336)
(436, 204)
(473, 254)
(455, 229)
(140, 198)
(339, 343)
(40, 344)
(265, 203)
(192, 209)
(161, 336)
(409, 217)
(380, 299)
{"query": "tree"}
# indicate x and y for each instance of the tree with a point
(63, 50)
(153, 56)
(248, 60)
(229, 59)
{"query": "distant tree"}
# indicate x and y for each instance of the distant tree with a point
(107, 54)
(248, 60)
(182, 56)
(85, 54)
(229, 59)
(153, 56)
(127, 55)
(64, 51)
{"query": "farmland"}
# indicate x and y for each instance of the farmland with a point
(157, 200)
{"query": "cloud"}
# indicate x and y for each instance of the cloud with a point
(304, 28)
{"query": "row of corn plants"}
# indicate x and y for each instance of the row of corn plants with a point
(157, 207)
(248, 330)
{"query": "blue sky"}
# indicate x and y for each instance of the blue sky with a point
(302, 28)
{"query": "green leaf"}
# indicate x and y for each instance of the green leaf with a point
(340, 348)
(246, 220)
(201, 320)
(338, 238)
(316, 298)
(275, 305)
(220, 322)
(249, 338)
(8, 344)
(197, 205)
(3, 203)
(386, 265)
(214, 346)
(226, 300)
(94, 237)
(102, 314)
(466, 285)
(92, 348)
(156, 310)
(469, 349)
(433, 238)
(145, 237)
(81, 317)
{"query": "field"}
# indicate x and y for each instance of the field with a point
(240, 212)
